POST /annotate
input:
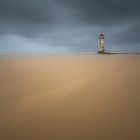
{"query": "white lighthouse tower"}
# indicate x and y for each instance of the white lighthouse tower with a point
(101, 44)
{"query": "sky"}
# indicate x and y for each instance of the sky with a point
(68, 26)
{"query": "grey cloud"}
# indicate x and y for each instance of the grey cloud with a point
(26, 10)
(105, 12)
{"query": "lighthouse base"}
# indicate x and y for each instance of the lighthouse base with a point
(101, 52)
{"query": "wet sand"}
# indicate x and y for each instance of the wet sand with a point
(91, 97)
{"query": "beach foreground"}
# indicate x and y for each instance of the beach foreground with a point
(92, 97)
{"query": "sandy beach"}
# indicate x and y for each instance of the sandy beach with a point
(83, 97)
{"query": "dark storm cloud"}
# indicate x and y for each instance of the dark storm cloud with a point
(69, 25)
(28, 10)
(105, 12)
(131, 35)
(25, 17)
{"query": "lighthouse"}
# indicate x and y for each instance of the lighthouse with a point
(101, 44)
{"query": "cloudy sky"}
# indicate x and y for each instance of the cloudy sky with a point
(59, 26)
